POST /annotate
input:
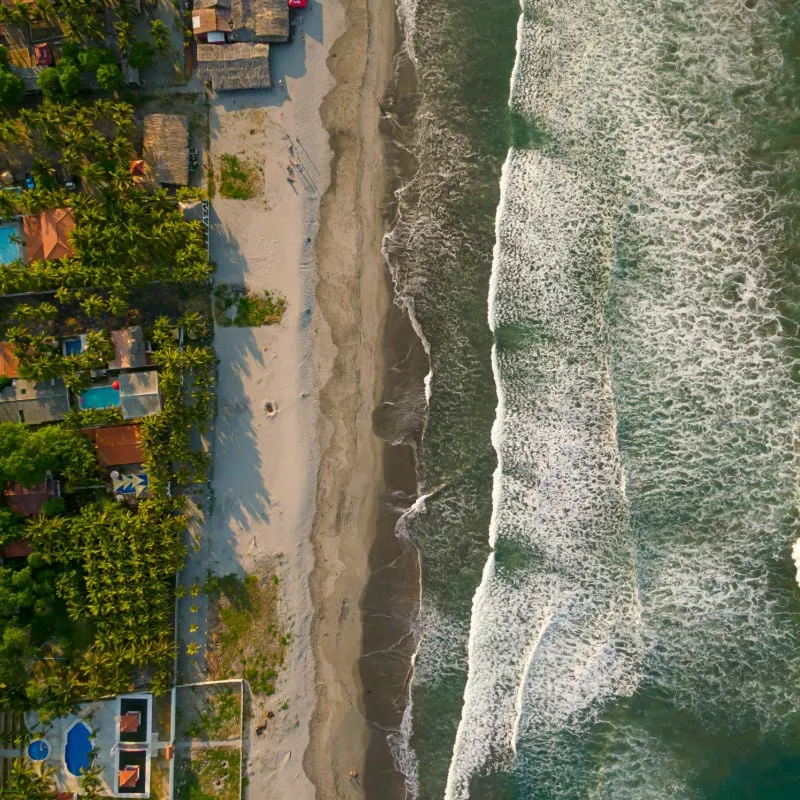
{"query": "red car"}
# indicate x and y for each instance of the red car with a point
(298, 3)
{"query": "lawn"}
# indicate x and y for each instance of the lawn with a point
(238, 178)
(245, 638)
(237, 305)
(212, 774)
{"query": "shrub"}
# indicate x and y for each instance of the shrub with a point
(141, 55)
(109, 76)
(69, 76)
(11, 87)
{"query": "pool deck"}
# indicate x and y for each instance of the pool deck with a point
(102, 719)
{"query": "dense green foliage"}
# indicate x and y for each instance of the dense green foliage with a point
(11, 85)
(91, 606)
(26, 454)
(40, 356)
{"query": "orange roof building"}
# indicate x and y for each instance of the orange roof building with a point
(130, 722)
(8, 361)
(128, 777)
(16, 549)
(28, 502)
(117, 446)
(47, 234)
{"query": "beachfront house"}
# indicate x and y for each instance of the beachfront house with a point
(233, 67)
(120, 449)
(165, 149)
(118, 446)
(34, 402)
(47, 234)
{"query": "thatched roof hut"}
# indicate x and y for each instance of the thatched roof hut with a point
(260, 20)
(166, 148)
(228, 67)
(271, 20)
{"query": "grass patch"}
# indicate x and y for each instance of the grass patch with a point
(244, 309)
(245, 637)
(238, 178)
(213, 774)
(218, 717)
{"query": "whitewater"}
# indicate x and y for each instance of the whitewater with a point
(637, 614)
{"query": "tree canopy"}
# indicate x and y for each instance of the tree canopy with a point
(27, 453)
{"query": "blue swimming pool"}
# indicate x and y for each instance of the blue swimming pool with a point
(73, 347)
(38, 750)
(10, 250)
(100, 397)
(78, 748)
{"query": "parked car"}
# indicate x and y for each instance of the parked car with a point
(30, 183)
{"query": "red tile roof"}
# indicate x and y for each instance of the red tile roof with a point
(8, 361)
(18, 549)
(130, 721)
(28, 502)
(117, 446)
(47, 234)
(128, 776)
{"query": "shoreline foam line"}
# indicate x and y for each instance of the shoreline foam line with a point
(450, 790)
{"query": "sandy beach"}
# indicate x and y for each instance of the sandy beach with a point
(296, 491)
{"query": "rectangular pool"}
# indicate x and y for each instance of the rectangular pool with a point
(100, 397)
(10, 250)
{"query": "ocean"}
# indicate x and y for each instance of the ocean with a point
(597, 241)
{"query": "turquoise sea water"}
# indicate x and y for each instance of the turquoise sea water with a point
(603, 262)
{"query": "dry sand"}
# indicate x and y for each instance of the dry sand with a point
(300, 487)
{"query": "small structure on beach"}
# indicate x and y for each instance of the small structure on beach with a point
(232, 67)
(260, 20)
(47, 234)
(165, 148)
(34, 402)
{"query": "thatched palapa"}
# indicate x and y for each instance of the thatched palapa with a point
(260, 20)
(228, 67)
(166, 148)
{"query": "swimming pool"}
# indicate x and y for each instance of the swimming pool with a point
(10, 250)
(78, 748)
(100, 397)
(38, 750)
(73, 347)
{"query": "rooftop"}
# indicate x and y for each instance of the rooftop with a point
(116, 446)
(166, 148)
(230, 67)
(205, 20)
(28, 502)
(130, 722)
(16, 549)
(8, 360)
(47, 234)
(128, 349)
(260, 20)
(138, 394)
(34, 402)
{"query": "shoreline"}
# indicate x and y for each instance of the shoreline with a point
(354, 301)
